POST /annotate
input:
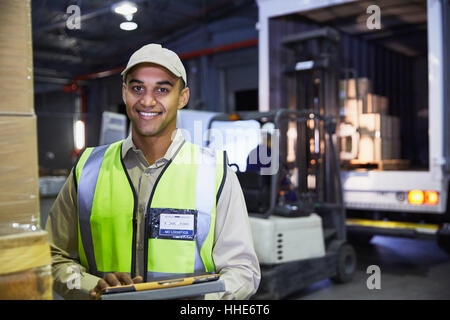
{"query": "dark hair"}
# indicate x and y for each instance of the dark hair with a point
(182, 85)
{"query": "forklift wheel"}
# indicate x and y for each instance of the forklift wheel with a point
(346, 261)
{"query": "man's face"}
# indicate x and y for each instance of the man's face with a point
(153, 95)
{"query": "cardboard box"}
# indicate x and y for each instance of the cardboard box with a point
(396, 149)
(377, 104)
(379, 125)
(373, 148)
(19, 181)
(16, 58)
(25, 265)
(395, 127)
(352, 110)
(347, 88)
(370, 148)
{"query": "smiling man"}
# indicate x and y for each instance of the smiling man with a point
(152, 205)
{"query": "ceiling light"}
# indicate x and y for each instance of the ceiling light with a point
(79, 134)
(128, 26)
(125, 8)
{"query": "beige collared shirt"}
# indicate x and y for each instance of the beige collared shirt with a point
(233, 250)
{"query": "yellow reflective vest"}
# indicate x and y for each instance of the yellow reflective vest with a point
(179, 221)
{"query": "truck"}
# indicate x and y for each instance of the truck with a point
(401, 48)
(395, 174)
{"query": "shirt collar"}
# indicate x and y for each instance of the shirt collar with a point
(128, 145)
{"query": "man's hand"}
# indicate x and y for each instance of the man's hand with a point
(113, 280)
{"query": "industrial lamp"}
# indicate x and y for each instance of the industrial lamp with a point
(127, 9)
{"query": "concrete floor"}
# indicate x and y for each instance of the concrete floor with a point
(410, 269)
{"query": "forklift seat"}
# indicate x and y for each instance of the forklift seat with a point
(256, 189)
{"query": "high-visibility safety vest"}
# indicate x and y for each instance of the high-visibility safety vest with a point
(107, 202)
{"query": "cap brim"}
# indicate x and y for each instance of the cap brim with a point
(171, 69)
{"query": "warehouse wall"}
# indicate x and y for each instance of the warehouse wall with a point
(213, 80)
(55, 112)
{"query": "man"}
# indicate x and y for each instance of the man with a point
(112, 222)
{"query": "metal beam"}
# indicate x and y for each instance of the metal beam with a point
(54, 56)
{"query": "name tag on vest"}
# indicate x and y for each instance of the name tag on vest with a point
(177, 224)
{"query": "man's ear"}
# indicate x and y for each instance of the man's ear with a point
(124, 89)
(184, 98)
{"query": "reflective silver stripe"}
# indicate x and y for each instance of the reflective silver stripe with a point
(86, 189)
(204, 200)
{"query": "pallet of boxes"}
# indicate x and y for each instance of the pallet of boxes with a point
(377, 143)
(25, 262)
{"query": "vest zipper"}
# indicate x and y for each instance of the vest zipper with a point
(133, 245)
(146, 228)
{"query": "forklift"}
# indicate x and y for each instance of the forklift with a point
(296, 212)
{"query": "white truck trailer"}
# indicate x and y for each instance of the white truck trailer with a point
(406, 56)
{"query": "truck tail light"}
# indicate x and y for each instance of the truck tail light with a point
(416, 197)
(431, 197)
(428, 197)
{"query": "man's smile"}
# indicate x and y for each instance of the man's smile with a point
(148, 115)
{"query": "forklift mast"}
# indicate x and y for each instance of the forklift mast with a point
(314, 78)
(300, 240)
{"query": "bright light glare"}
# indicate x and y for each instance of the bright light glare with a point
(79, 135)
(415, 197)
(128, 26)
(291, 141)
(125, 8)
(431, 197)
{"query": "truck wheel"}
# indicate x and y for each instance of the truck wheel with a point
(346, 263)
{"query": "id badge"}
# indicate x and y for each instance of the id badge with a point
(176, 224)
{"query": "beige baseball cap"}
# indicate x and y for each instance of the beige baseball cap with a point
(155, 53)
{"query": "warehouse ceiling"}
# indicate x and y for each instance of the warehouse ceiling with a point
(63, 53)
(403, 23)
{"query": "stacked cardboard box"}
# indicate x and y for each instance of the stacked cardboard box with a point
(347, 88)
(380, 136)
(19, 184)
(377, 104)
(25, 265)
(19, 198)
(351, 98)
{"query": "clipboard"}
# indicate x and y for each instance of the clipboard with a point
(189, 286)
